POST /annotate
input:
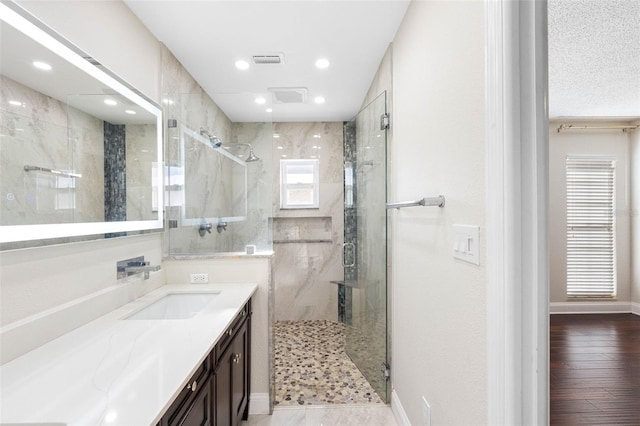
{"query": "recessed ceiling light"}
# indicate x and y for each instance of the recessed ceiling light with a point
(167, 101)
(275, 135)
(42, 65)
(269, 110)
(130, 111)
(260, 100)
(316, 136)
(242, 65)
(283, 156)
(110, 102)
(15, 103)
(280, 147)
(322, 63)
(318, 100)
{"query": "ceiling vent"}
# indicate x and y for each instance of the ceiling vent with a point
(275, 58)
(289, 95)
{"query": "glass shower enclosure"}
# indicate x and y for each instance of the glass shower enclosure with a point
(365, 244)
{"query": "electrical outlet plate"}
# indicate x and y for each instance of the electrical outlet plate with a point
(199, 278)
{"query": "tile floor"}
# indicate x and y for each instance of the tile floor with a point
(335, 415)
(312, 367)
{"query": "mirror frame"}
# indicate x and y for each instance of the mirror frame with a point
(15, 16)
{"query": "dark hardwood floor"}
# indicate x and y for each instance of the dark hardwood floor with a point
(595, 369)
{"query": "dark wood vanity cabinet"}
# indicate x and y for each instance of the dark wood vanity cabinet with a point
(218, 393)
(231, 379)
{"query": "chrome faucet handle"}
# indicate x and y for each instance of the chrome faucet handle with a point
(204, 227)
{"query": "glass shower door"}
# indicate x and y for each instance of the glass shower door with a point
(365, 250)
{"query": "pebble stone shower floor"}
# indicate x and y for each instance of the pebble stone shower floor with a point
(312, 367)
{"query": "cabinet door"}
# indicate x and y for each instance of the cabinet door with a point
(240, 374)
(198, 411)
(232, 380)
(222, 385)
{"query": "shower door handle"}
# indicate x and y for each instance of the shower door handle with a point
(344, 255)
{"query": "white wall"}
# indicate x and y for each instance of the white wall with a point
(634, 138)
(439, 304)
(613, 144)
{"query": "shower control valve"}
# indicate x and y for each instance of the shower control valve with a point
(205, 227)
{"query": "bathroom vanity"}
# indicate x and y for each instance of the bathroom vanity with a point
(218, 392)
(178, 355)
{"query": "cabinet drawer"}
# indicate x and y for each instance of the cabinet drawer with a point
(236, 324)
(189, 391)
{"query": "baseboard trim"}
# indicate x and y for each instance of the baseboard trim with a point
(259, 403)
(591, 307)
(635, 308)
(398, 410)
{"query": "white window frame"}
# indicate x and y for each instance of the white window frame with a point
(591, 227)
(314, 186)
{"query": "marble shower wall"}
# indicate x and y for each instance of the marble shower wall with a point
(215, 185)
(308, 251)
(141, 159)
(186, 102)
(255, 230)
(44, 132)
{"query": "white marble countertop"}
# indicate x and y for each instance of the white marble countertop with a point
(113, 371)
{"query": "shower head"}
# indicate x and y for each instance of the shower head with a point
(252, 157)
(213, 139)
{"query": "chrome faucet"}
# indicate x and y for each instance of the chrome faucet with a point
(135, 265)
(145, 267)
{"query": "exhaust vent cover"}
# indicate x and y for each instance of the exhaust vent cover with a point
(289, 95)
(275, 58)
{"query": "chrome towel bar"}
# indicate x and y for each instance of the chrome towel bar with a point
(53, 171)
(425, 202)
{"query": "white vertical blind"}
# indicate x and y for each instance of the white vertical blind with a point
(591, 265)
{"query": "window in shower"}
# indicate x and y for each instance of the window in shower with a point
(299, 182)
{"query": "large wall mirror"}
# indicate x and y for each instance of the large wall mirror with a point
(80, 151)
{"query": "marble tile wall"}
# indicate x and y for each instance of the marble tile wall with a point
(303, 270)
(44, 132)
(141, 157)
(186, 102)
(259, 186)
(213, 186)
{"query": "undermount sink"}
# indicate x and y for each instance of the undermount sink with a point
(174, 306)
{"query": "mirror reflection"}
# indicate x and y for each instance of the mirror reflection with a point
(78, 148)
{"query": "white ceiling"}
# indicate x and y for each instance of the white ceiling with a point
(64, 82)
(594, 58)
(594, 52)
(207, 37)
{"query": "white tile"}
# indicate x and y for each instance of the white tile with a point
(379, 415)
(347, 415)
(280, 417)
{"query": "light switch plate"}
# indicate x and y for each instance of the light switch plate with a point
(465, 243)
